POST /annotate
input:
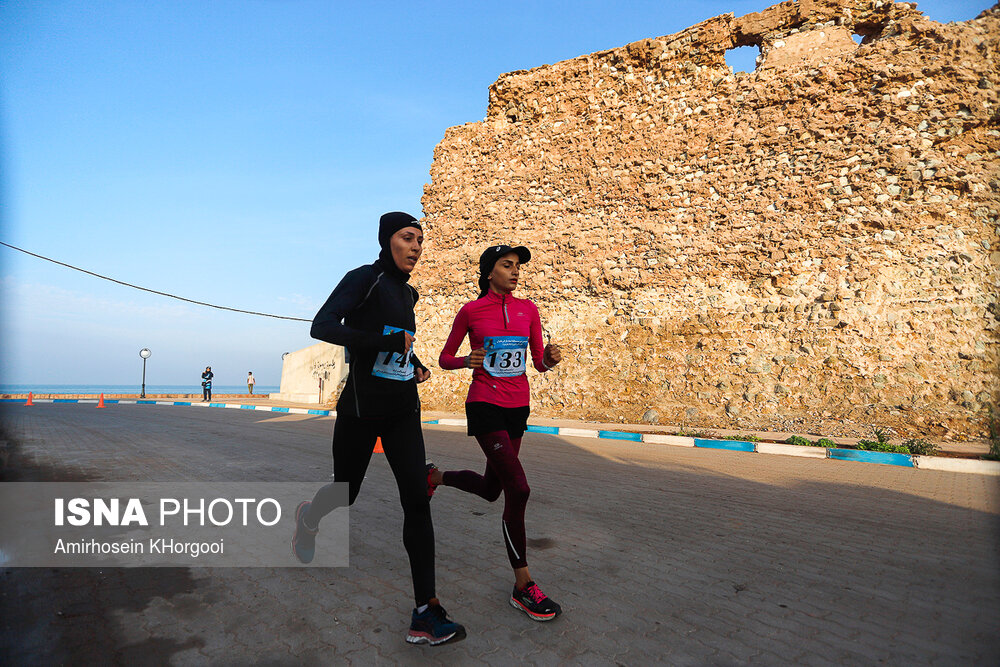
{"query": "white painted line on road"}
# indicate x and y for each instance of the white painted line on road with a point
(126, 402)
(657, 439)
(86, 400)
(200, 405)
(164, 402)
(578, 432)
(957, 465)
(791, 450)
(232, 406)
(452, 422)
(298, 411)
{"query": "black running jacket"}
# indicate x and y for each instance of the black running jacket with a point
(368, 302)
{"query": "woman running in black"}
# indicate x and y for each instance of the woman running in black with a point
(371, 314)
(501, 329)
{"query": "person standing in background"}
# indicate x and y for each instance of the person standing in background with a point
(250, 382)
(206, 384)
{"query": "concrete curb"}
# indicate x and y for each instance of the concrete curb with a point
(881, 458)
(957, 465)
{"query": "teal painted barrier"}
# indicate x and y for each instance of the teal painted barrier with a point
(885, 458)
(620, 435)
(732, 445)
(551, 430)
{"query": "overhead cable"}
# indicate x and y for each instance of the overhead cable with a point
(146, 289)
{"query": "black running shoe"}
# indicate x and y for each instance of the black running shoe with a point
(304, 539)
(533, 602)
(434, 627)
(431, 488)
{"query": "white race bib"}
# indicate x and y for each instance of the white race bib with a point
(506, 356)
(393, 365)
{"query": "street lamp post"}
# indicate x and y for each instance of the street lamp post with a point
(145, 354)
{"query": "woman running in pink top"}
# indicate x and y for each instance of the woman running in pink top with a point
(501, 329)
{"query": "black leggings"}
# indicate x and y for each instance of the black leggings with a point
(403, 442)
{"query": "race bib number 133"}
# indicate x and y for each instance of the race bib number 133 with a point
(506, 356)
(393, 365)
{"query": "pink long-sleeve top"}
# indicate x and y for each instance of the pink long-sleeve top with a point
(505, 326)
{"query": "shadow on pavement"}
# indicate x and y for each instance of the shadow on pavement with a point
(69, 615)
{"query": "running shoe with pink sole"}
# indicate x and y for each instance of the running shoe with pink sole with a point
(533, 602)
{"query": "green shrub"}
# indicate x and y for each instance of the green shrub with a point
(826, 442)
(994, 454)
(740, 438)
(881, 443)
(799, 441)
(920, 446)
(881, 446)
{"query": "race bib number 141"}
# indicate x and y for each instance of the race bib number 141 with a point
(393, 365)
(506, 356)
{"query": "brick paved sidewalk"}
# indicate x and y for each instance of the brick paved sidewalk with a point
(657, 554)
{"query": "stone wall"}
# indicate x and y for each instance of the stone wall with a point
(813, 245)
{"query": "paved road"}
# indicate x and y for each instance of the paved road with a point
(657, 554)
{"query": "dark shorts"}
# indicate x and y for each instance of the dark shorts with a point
(486, 418)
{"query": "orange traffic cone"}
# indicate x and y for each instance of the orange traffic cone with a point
(29, 400)
(100, 402)
(378, 446)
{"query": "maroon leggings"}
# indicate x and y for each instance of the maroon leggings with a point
(503, 473)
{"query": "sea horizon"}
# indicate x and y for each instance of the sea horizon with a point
(131, 389)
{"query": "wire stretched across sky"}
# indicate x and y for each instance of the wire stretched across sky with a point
(153, 291)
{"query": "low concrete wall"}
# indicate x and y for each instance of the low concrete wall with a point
(312, 374)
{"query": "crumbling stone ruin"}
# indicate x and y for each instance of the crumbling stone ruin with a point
(813, 245)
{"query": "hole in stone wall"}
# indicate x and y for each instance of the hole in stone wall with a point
(743, 58)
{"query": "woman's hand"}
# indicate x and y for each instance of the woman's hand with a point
(422, 374)
(407, 342)
(552, 356)
(475, 358)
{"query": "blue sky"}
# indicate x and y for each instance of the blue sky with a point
(240, 153)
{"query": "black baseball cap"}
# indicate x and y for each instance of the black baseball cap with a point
(490, 256)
